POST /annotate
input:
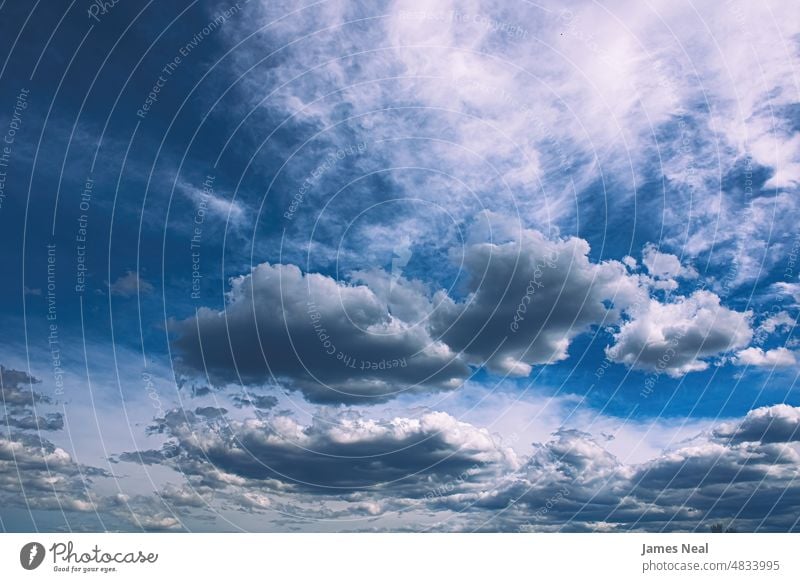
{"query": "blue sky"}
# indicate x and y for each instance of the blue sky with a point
(395, 266)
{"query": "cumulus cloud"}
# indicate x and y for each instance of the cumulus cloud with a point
(602, 101)
(34, 472)
(774, 358)
(331, 340)
(524, 298)
(347, 465)
(342, 454)
(680, 336)
(37, 474)
(664, 265)
(745, 473)
(528, 299)
(769, 424)
(558, 481)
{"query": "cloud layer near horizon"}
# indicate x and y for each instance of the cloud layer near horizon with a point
(743, 471)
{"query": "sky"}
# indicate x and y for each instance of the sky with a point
(399, 266)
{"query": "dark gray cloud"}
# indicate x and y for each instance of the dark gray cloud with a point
(333, 341)
(753, 484)
(525, 298)
(528, 299)
(570, 478)
(769, 424)
(16, 389)
(338, 455)
(35, 473)
(20, 401)
(52, 421)
(210, 411)
(336, 342)
(572, 483)
(260, 402)
(148, 457)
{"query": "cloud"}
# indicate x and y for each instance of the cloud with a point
(16, 389)
(789, 289)
(753, 486)
(572, 483)
(210, 411)
(260, 402)
(571, 468)
(330, 340)
(657, 95)
(780, 321)
(53, 421)
(769, 424)
(34, 472)
(774, 358)
(37, 474)
(681, 117)
(664, 265)
(208, 202)
(680, 336)
(347, 465)
(528, 299)
(521, 301)
(340, 454)
(130, 284)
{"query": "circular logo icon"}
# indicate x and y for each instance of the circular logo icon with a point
(31, 555)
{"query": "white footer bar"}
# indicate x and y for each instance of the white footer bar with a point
(389, 557)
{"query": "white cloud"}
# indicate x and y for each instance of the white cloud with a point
(612, 93)
(665, 265)
(780, 321)
(680, 336)
(774, 358)
(790, 289)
